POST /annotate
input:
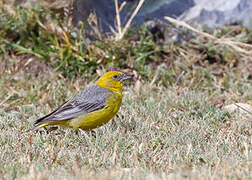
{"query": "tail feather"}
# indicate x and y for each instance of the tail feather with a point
(41, 122)
(32, 129)
(45, 120)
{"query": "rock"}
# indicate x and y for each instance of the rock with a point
(105, 10)
(215, 13)
(212, 13)
(168, 33)
(245, 109)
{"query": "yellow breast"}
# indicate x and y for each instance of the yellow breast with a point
(97, 118)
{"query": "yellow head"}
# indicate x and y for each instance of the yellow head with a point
(113, 80)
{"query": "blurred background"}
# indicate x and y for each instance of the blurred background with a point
(212, 13)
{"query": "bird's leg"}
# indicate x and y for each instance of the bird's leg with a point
(82, 132)
(93, 133)
(119, 117)
(76, 132)
(113, 123)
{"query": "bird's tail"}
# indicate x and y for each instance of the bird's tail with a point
(44, 121)
(36, 127)
(32, 129)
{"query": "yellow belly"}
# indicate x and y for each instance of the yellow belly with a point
(97, 118)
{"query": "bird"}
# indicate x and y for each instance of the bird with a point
(90, 108)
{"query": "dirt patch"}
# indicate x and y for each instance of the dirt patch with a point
(27, 64)
(34, 65)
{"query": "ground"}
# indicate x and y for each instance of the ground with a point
(171, 125)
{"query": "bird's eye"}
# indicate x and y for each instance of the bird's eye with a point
(115, 76)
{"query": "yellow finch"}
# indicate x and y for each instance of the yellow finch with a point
(90, 108)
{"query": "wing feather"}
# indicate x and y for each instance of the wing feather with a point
(89, 100)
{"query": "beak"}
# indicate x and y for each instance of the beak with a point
(125, 77)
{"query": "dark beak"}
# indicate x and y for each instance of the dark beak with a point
(125, 77)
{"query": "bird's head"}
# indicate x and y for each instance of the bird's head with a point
(113, 80)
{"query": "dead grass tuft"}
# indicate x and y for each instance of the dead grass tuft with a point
(243, 48)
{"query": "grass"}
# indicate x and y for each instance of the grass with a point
(161, 132)
(171, 124)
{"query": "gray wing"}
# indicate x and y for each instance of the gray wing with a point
(89, 100)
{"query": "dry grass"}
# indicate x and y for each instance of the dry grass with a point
(160, 133)
(243, 48)
(171, 124)
(122, 30)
